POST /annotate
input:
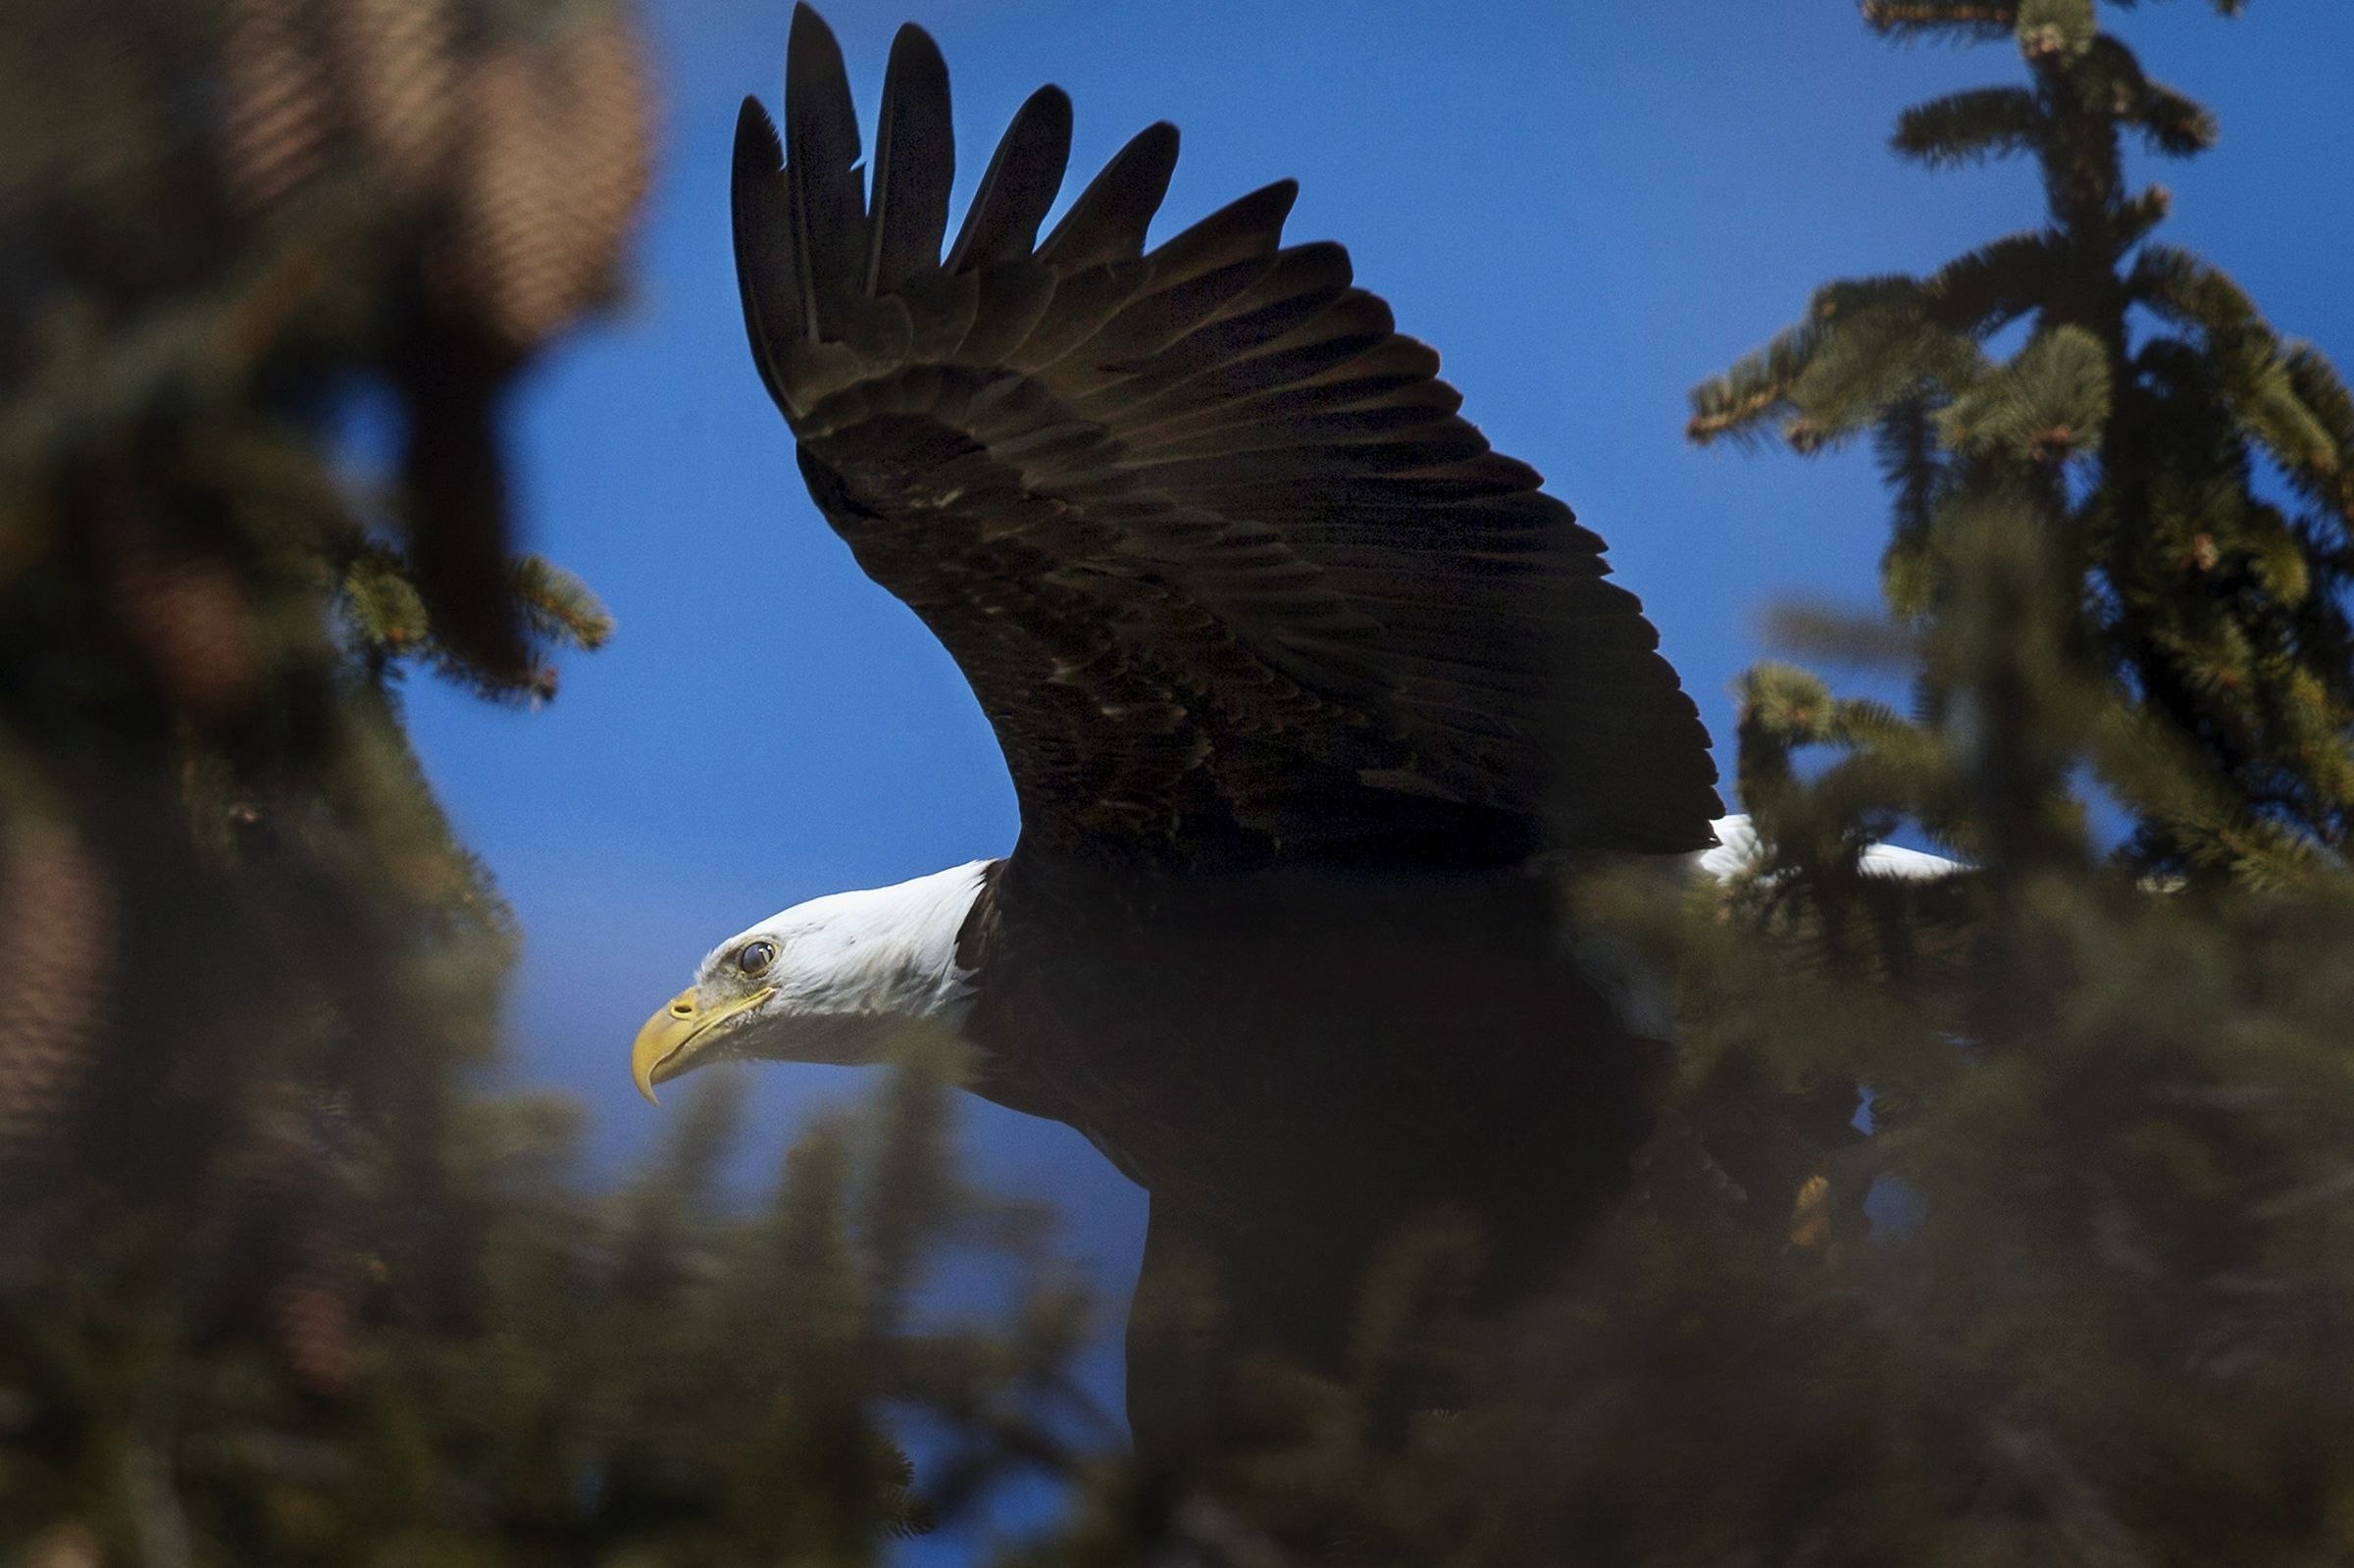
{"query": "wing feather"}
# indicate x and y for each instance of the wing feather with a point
(1023, 175)
(1230, 574)
(1108, 220)
(915, 163)
(1249, 226)
(767, 275)
(827, 212)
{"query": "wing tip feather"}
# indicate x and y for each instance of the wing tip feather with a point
(1108, 220)
(913, 37)
(1019, 185)
(914, 162)
(758, 146)
(809, 33)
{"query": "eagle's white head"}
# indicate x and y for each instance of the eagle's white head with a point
(826, 981)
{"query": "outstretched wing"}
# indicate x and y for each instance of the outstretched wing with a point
(1229, 576)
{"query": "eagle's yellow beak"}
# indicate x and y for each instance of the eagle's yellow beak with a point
(661, 1048)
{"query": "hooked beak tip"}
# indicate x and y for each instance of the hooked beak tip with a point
(661, 1040)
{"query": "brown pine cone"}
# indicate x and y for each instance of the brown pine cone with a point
(283, 115)
(607, 126)
(187, 615)
(512, 255)
(71, 1545)
(398, 69)
(57, 917)
(314, 1319)
(554, 166)
(298, 1201)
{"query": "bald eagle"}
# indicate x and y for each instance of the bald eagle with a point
(1304, 691)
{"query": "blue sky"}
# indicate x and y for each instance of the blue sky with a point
(1585, 207)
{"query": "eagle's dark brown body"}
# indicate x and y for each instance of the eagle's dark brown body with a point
(1297, 1064)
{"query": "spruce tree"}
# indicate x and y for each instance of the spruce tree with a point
(279, 1282)
(2095, 1318)
(2193, 469)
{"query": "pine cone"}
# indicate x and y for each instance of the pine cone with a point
(187, 614)
(283, 115)
(300, 1206)
(608, 131)
(511, 255)
(397, 66)
(57, 913)
(314, 1318)
(67, 1545)
(556, 163)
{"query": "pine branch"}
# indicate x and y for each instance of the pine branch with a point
(95, 380)
(2222, 8)
(2322, 390)
(559, 610)
(811, 1270)
(1912, 466)
(2262, 395)
(1880, 356)
(2137, 214)
(2114, 82)
(2259, 376)
(1969, 128)
(2197, 818)
(2276, 560)
(1944, 21)
(1759, 387)
(2323, 393)
(380, 606)
(1982, 291)
(388, 620)
(2172, 123)
(2047, 403)
(912, 1188)
(1738, 404)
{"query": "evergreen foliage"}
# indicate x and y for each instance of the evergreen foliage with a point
(2194, 469)
(2098, 1316)
(278, 1283)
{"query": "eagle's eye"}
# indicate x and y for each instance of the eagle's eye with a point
(756, 956)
